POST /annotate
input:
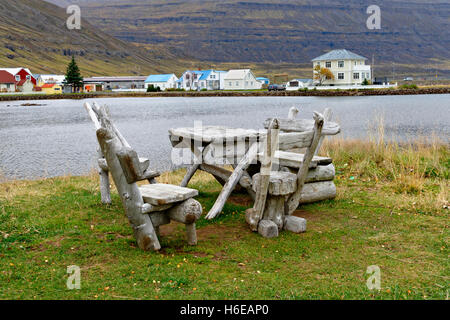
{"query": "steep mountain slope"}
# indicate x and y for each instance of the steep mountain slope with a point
(33, 33)
(294, 31)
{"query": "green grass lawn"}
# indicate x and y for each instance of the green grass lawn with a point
(50, 224)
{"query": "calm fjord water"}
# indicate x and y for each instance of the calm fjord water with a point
(56, 137)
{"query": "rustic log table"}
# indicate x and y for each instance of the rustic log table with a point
(213, 147)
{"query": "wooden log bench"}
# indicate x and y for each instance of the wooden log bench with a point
(302, 178)
(149, 206)
(319, 183)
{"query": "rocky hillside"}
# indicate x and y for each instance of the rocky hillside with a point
(413, 32)
(33, 33)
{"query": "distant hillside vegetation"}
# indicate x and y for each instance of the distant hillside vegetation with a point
(33, 34)
(414, 32)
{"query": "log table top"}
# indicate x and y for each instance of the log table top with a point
(214, 133)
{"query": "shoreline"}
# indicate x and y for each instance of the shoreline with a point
(309, 93)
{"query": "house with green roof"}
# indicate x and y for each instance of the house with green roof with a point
(347, 67)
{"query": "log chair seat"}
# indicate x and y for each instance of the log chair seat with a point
(294, 160)
(158, 194)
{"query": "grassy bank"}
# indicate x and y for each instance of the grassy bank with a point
(407, 90)
(391, 211)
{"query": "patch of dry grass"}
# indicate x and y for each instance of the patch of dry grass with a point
(416, 172)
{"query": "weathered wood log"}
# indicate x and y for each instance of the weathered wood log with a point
(281, 185)
(149, 208)
(274, 210)
(189, 174)
(144, 163)
(292, 113)
(293, 140)
(199, 156)
(293, 200)
(144, 231)
(132, 167)
(222, 175)
(158, 194)
(162, 201)
(327, 114)
(294, 224)
(130, 164)
(92, 115)
(255, 214)
(320, 173)
(186, 212)
(317, 191)
(191, 234)
(295, 160)
(105, 185)
(302, 125)
(268, 229)
(159, 219)
(233, 181)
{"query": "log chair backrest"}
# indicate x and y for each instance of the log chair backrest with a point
(302, 133)
(298, 133)
(128, 158)
(114, 147)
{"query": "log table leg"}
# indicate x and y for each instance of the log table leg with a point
(233, 181)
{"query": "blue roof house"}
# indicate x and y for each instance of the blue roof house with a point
(202, 80)
(163, 81)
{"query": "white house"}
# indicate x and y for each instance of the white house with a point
(212, 80)
(163, 81)
(202, 80)
(241, 79)
(347, 67)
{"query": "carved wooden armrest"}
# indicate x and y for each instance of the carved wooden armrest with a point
(133, 168)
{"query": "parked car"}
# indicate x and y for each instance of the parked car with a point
(408, 79)
(276, 87)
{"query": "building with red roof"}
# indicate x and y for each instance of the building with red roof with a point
(7, 82)
(24, 80)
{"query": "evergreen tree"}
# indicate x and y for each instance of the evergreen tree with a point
(73, 76)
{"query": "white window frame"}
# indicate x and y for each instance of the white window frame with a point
(341, 64)
(339, 76)
(17, 77)
(328, 64)
(355, 75)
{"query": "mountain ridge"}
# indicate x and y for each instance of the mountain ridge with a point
(33, 34)
(293, 31)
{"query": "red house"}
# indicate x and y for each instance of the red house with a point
(7, 82)
(25, 81)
